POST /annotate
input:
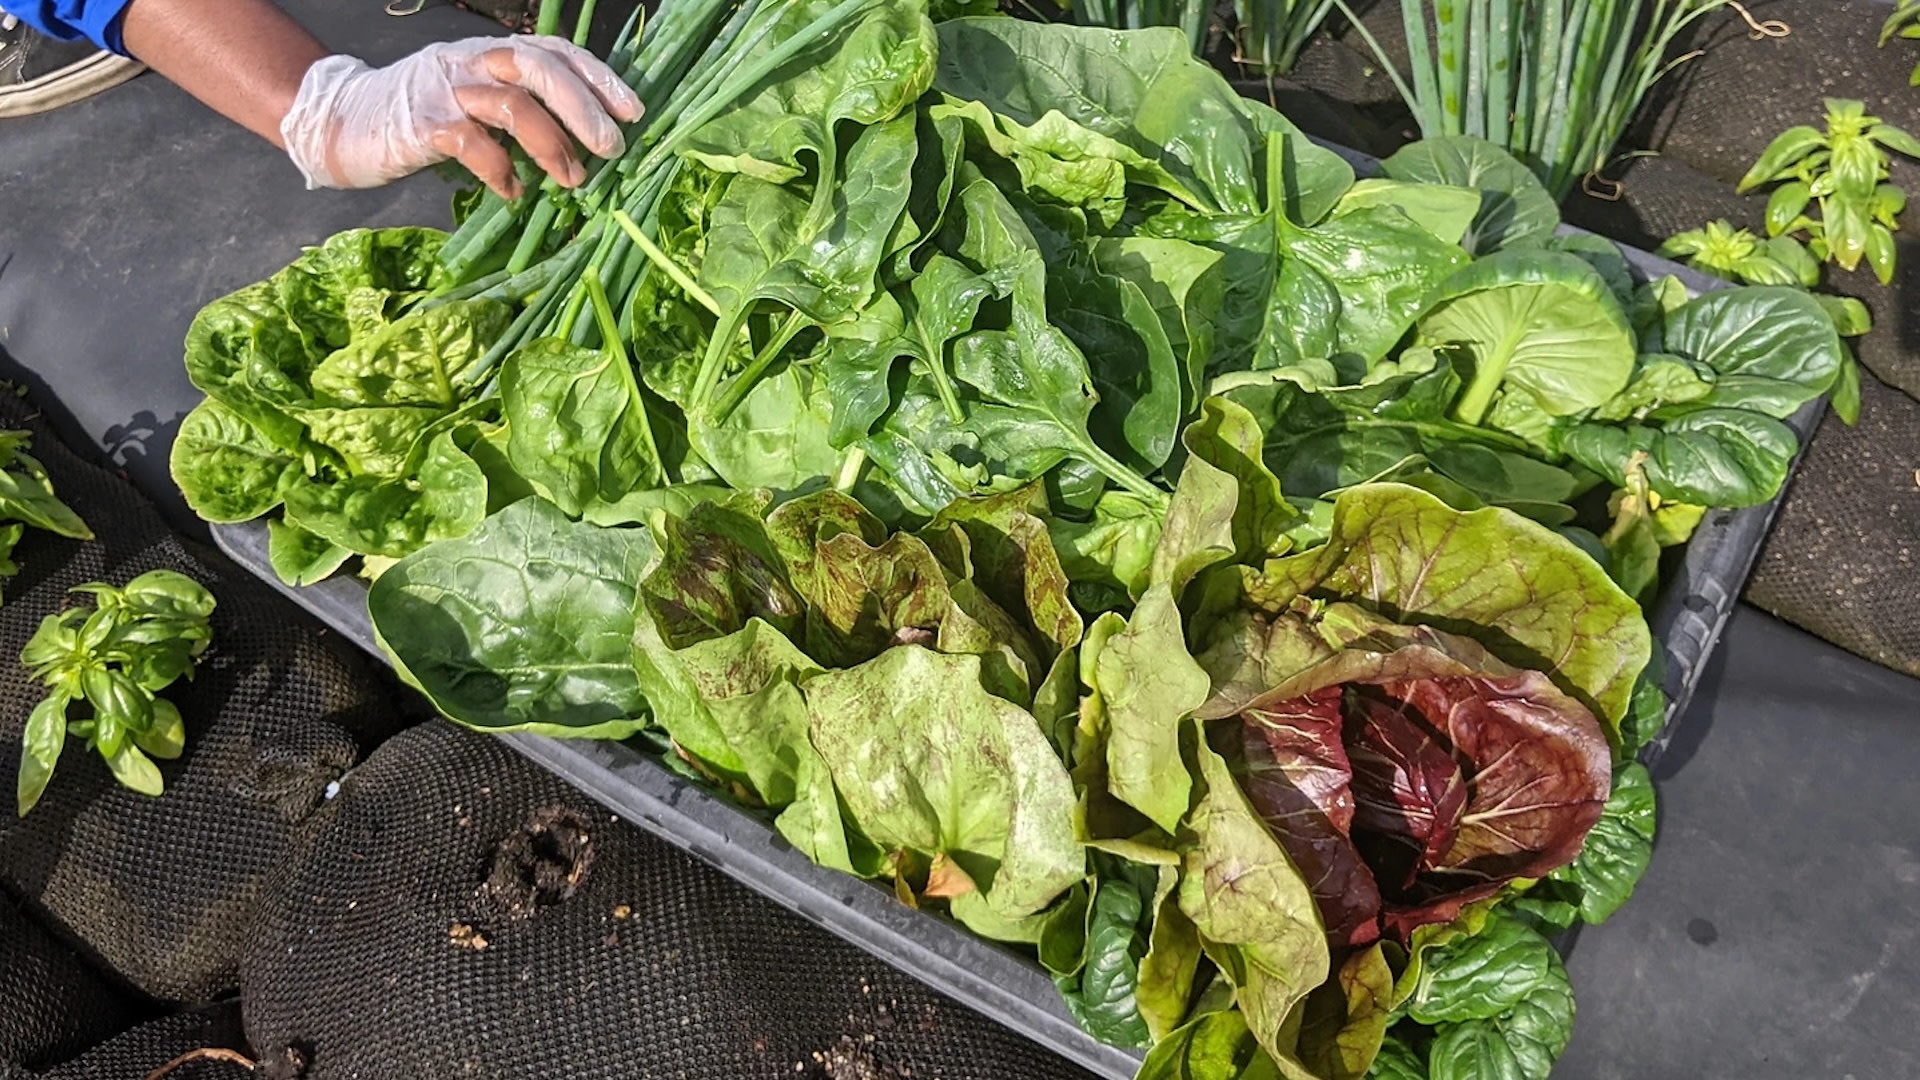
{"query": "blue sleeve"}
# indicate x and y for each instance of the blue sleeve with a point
(97, 21)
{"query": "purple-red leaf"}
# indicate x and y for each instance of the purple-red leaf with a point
(1297, 779)
(1413, 772)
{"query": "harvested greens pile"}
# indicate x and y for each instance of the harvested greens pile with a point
(1033, 476)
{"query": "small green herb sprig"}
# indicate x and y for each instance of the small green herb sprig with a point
(27, 498)
(112, 661)
(1844, 171)
(1904, 23)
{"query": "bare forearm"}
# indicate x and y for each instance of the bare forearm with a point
(243, 58)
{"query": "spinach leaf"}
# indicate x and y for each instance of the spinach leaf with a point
(1185, 284)
(525, 624)
(1100, 995)
(1038, 392)
(822, 260)
(919, 320)
(1139, 382)
(1144, 90)
(577, 425)
(1515, 208)
(867, 73)
(1443, 210)
(1536, 323)
(1383, 266)
(777, 438)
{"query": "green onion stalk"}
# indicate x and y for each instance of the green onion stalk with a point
(1554, 82)
(549, 249)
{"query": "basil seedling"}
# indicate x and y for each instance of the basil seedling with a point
(1844, 171)
(111, 661)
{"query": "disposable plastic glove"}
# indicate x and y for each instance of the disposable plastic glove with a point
(354, 126)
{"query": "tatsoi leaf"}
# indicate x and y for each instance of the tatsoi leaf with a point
(867, 73)
(1385, 268)
(526, 624)
(959, 773)
(300, 558)
(1515, 208)
(1780, 334)
(1618, 850)
(1541, 322)
(1214, 1046)
(226, 469)
(1101, 995)
(1252, 908)
(1443, 210)
(577, 426)
(1345, 1019)
(1709, 457)
(1150, 684)
(1485, 975)
(1542, 602)
(1521, 1044)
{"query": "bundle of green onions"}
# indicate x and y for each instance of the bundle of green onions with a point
(1554, 82)
(553, 249)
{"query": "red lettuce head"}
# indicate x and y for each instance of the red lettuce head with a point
(1407, 771)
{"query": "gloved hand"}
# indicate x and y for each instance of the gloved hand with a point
(353, 126)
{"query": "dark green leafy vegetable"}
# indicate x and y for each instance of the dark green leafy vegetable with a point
(1515, 208)
(525, 624)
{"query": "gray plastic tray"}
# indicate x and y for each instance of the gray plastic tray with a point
(1698, 598)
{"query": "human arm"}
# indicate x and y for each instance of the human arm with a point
(345, 124)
